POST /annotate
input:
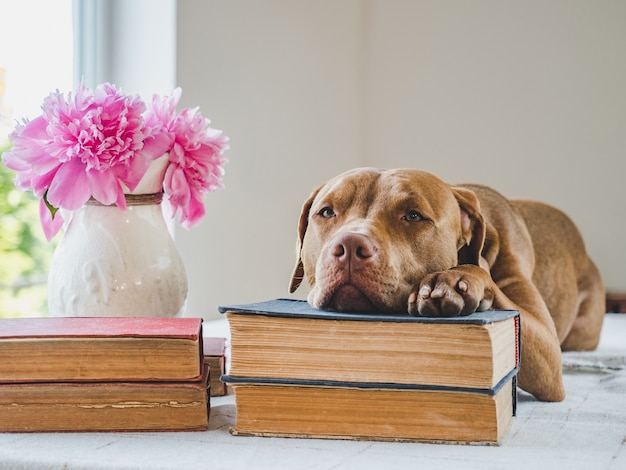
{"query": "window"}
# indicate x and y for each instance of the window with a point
(36, 58)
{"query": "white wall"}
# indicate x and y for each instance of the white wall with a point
(527, 97)
(281, 78)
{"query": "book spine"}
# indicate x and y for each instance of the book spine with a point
(518, 340)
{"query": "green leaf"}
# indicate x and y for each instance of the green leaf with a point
(53, 210)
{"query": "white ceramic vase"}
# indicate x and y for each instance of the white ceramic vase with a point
(119, 263)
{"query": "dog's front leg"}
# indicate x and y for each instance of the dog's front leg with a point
(467, 288)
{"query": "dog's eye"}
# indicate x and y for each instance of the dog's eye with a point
(327, 213)
(412, 216)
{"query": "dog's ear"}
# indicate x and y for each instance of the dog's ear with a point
(298, 271)
(473, 228)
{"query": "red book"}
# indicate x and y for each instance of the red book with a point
(100, 349)
(215, 358)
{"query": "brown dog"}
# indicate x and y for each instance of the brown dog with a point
(404, 241)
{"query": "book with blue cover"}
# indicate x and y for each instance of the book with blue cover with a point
(290, 339)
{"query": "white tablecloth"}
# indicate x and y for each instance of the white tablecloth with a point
(586, 431)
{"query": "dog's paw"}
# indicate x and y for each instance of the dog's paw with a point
(459, 291)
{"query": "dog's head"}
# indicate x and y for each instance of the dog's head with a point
(367, 237)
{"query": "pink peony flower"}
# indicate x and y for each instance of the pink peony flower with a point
(100, 144)
(196, 157)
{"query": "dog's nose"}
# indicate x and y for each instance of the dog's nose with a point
(353, 248)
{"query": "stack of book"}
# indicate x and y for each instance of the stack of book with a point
(215, 358)
(103, 374)
(302, 372)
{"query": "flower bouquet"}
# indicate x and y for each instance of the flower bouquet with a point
(100, 143)
(109, 159)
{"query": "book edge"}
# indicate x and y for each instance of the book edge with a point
(293, 308)
(233, 431)
(101, 327)
(234, 380)
(193, 382)
(213, 346)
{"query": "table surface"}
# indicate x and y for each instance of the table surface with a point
(586, 431)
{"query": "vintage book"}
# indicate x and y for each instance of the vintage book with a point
(215, 358)
(339, 410)
(100, 349)
(105, 406)
(291, 340)
(301, 372)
